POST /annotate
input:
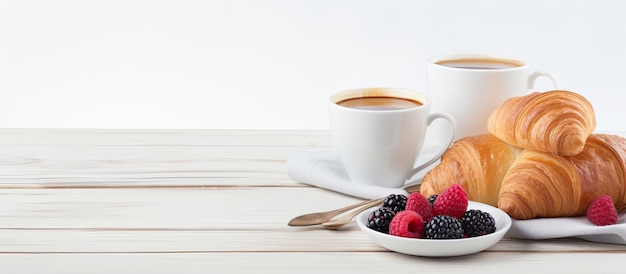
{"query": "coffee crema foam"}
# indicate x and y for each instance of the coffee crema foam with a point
(480, 63)
(379, 103)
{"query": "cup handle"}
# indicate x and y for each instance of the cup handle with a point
(432, 118)
(533, 77)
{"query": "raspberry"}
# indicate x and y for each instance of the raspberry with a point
(395, 202)
(443, 227)
(380, 218)
(418, 203)
(407, 224)
(602, 211)
(477, 223)
(452, 202)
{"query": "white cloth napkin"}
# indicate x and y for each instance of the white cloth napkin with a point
(576, 227)
(323, 168)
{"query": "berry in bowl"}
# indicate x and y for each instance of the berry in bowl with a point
(447, 225)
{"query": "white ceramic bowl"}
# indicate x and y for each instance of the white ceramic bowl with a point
(440, 248)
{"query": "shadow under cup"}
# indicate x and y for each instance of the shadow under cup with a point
(378, 133)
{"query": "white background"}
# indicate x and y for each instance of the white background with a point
(271, 64)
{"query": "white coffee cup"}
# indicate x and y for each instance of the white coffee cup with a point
(470, 87)
(379, 141)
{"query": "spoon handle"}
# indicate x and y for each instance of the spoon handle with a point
(321, 217)
(339, 222)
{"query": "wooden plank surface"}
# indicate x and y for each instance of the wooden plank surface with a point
(119, 158)
(192, 220)
(309, 262)
(163, 208)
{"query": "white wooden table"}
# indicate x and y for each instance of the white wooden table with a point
(206, 201)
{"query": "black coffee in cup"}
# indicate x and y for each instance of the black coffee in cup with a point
(479, 63)
(379, 103)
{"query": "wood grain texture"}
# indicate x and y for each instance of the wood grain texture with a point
(119, 158)
(206, 201)
(308, 262)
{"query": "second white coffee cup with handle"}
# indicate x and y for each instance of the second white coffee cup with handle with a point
(470, 86)
(379, 133)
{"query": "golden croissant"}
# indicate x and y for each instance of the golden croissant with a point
(555, 121)
(546, 185)
(530, 184)
(478, 163)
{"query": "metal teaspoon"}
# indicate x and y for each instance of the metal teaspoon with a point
(322, 217)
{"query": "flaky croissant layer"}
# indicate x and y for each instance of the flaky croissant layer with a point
(556, 121)
(478, 163)
(546, 185)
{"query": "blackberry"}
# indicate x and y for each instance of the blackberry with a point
(477, 223)
(379, 219)
(443, 227)
(432, 199)
(395, 202)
